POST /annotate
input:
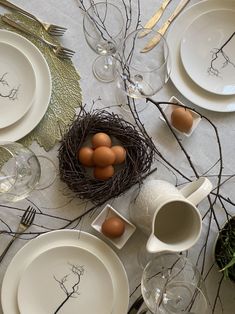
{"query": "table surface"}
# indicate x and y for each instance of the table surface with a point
(202, 147)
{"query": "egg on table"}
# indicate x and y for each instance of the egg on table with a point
(113, 227)
(182, 119)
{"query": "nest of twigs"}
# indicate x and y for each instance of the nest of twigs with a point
(139, 156)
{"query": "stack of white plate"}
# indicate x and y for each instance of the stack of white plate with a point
(65, 271)
(199, 72)
(25, 86)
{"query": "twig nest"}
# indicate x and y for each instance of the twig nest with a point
(104, 181)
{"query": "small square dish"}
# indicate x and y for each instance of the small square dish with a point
(109, 212)
(168, 111)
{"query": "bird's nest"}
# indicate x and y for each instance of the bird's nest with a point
(139, 156)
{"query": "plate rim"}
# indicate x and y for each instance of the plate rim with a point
(185, 64)
(43, 242)
(43, 92)
(34, 86)
(179, 78)
(58, 248)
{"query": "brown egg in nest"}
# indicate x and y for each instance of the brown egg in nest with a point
(101, 139)
(85, 156)
(103, 156)
(120, 154)
(103, 173)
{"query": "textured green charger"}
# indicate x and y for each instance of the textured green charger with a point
(66, 92)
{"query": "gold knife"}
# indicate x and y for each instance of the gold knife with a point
(155, 18)
(155, 40)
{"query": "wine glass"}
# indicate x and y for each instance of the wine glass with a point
(183, 297)
(172, 284)
(103, 27)
(20, 172)
(142, 74)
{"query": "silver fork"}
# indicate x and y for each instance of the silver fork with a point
(25, 223)
(52, 29)
(60, 51)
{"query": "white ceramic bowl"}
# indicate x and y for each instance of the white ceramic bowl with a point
(108, 212)
(168, 110)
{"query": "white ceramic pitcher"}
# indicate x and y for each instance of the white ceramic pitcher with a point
(169, 215)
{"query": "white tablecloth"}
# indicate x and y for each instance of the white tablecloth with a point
(202, 147)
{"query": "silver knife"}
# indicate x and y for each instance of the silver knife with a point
(155, 18)
(155, 40)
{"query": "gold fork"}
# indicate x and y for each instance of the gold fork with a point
(24, 224)
(52, 29)
(60, 51)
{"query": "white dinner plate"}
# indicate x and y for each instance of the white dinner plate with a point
(43, 88)
(17, 84)
(75, 279)
(179, 77)
(209, 66)
(54, 239)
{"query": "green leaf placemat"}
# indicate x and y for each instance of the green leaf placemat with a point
(66, 93)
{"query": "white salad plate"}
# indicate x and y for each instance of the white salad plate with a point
(179, 77)
(69, 279)
(17, 84)
(43, 87)
(208, 51)
(64, 238)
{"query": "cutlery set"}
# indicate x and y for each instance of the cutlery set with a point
(51, 29)
(162, 30)
(25, 222)
(56, 30)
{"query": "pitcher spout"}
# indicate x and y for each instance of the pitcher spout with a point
(154, 245)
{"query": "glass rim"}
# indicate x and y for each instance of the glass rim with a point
(2, 146)
(86, 15)
(157, 67)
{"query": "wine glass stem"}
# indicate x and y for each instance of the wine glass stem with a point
(108, 62)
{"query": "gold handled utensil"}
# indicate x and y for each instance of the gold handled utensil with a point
(52, 29)
(155, 40)
(60, 51)
(155, 18)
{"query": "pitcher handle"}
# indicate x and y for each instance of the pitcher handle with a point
(197, 190)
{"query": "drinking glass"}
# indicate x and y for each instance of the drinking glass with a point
(142, 74)
(172, 284)
(103, 27)
(20, 172)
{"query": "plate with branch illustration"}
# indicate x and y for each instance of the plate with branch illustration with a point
(66, 279)
(43, 89)
(179, 77)
(64, 239)
(17, 84)
(208, 51)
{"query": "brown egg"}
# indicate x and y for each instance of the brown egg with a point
(101, 139)
(120, 154)
(113, 227)
(182, 119)
(103, 156)
(85, 156)
(103, 173)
